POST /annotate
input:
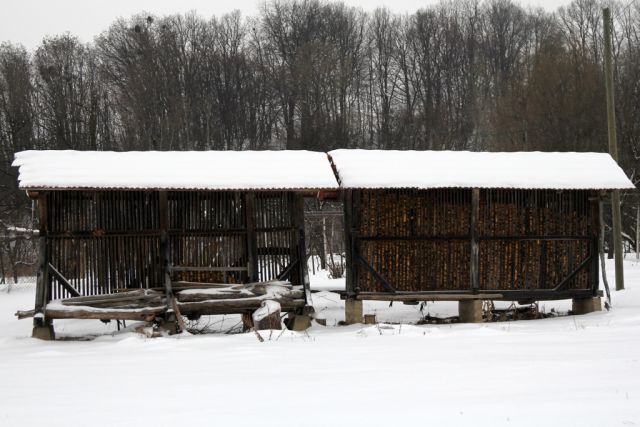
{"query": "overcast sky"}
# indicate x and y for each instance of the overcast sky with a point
(28, 21)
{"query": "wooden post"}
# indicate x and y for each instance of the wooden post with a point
(298, 222)
(594, 242)
(170, 320)
(252, 241)
(475, 251)
(42, 326)
(351, 270)
(613, 147)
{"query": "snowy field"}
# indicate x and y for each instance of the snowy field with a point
(564, 371)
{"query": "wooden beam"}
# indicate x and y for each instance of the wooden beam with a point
(297, 205)
(501, 295)
(475, 250)
(164, 251)
(424, 297)
(594, 244)
(375, 274)
(563, 284)
(350, 279)
(252, 240)
(287, 271)
(63, 281)
(173, 268)
(42, 279)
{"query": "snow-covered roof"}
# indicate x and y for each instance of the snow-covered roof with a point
(464, 169)
(206, 170)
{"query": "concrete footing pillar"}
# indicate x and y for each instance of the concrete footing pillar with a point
(44, 332)
(470, 311)
(352, 311)
(298, 322)
(586, 305)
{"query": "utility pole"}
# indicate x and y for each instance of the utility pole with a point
(613, 147)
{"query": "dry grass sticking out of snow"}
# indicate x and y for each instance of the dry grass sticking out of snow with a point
(572, 370)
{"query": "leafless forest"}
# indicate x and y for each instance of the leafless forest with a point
(462, 75)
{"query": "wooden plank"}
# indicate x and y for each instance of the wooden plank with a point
(173, 268)
(499, 295)
(364, 296)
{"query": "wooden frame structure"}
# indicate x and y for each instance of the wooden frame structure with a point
(96, 242)
(472, 226)
(157, 235)
(458, 244)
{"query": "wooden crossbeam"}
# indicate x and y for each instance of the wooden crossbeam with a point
(375, 274)
(63, 281)
(563, 284)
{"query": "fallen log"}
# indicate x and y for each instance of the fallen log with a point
(181, 285)
(236, 306)
(120, 300)
(129, 303)
(273, 286)
(203, 295)
(23, 314)
(144, 314)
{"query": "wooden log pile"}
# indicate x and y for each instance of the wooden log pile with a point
(147, 304)
(240, 298)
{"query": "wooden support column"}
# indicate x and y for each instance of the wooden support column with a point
(170, 321)
(475, 251)
(352, 307)
(298, 222)
(594, 242)
(252, 240)
(351, 247)
(42, 326)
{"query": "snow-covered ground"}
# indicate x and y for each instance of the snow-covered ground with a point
(572, 370)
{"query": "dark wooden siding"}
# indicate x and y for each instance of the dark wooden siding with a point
(420, 240)
(207, 231)
(416, 240)
(534, 239)
(105, 241)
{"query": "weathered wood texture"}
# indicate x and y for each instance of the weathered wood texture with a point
(423, 240)
(103, 242)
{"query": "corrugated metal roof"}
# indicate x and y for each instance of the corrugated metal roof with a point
(465, 169)
(177, 170)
